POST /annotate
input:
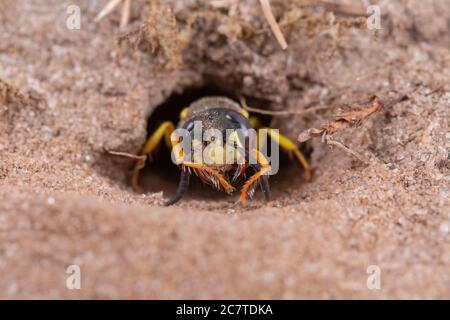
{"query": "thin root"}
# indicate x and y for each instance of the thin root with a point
(281, 112)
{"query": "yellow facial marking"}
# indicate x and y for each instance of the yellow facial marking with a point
(214, 154)
(233, 137)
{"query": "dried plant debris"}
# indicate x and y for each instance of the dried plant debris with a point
(233, 6)
(168, 36)
(343, 121)
(110, 6)
(8, 92)
(10, 95)
(265, 4)
(158, 35)
(15, 102)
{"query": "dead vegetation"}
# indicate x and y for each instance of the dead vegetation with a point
(159, 35)
(360, 112)
(13, 96)
(167, 36)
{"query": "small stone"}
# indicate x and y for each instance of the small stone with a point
(424, 157)
(248, 81)
(445, 227)
(51, 201)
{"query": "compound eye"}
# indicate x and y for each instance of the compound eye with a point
(189, 126)
(238, 118)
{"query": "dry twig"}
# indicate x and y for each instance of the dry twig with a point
(110, 6)
(273, 23)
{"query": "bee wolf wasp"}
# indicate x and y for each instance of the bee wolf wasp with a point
(205, 157)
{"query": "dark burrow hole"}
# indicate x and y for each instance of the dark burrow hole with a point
(161, 174)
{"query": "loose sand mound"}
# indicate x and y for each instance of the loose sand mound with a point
(66, 96)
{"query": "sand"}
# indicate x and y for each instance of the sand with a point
(66, 96)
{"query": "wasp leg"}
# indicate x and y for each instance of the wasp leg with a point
(255, 122)
(210, 175)
(262, 168)
(163, 131)
(288, 145)
(181, 189)
(264, 183)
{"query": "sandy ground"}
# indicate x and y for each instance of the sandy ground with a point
(66, 96)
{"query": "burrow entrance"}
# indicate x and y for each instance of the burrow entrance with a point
(162, 175)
